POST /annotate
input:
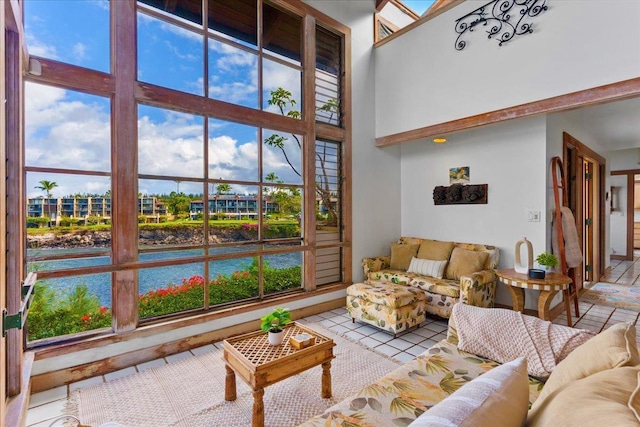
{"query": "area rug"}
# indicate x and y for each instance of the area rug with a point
(613, 295)
(190, 392)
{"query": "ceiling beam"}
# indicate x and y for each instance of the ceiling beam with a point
(585, 98)
(381, 4)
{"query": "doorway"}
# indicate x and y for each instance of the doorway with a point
(586, 171)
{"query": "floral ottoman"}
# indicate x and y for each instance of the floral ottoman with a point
(394, 308)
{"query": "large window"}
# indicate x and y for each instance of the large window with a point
(218, 190)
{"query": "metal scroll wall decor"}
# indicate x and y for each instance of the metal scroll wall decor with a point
(459, 194)
(506, 18)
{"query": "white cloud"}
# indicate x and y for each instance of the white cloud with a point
(66, 133)
(79, 51)
(235, 92)
(39, 48)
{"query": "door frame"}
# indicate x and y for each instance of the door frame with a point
(574, 153)
(630, 174)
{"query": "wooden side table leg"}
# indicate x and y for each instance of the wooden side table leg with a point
(258, 408)
(326, 380)
(230, 384)
(517, 296)
(567, 306)
(544, 302)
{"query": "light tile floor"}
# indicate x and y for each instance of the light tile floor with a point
(45, 406)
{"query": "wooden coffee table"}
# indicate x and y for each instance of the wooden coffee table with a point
(259, 364)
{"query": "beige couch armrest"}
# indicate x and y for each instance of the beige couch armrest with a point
(479, 288)
(375, 264)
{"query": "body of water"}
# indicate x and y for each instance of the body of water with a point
(148, 278)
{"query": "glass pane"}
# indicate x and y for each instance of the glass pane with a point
(235, 20)
(281, 33)
(328, 66)
(284, 212)
(71, 31)
(171, 289)
(328, 189)
(233, 214)
(70, 305)
(282, 272)
(186, 11)
(169, 55)
(233, 151)
(177, 136)
(166, 217)
(233, 280)
(233, 74)
(282, 88)
(66, 129)
(78, 207)
(282, 157)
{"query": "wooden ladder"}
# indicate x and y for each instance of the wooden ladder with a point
(560, 183)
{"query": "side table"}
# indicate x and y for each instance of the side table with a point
(548, 287)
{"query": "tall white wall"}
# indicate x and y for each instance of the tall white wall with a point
(376, 173)
(511, 158)
(422, 80)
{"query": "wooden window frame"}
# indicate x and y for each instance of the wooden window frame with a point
(126, 93)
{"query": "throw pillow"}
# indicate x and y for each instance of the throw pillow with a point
(612, 348)
(436, 250)
(606, 398)
(427, 267)
(498, 398)
(401, 256)
(464, 262)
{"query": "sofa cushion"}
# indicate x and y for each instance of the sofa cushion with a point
(435, 250)
(612, 348)
(427, 267)
(494, 253)
(401, 255)
(464, 262)
(499, 398)
(431, 284)
(607, 398)
(404, 394)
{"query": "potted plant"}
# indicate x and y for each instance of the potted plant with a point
(273, 323)
(547, 260)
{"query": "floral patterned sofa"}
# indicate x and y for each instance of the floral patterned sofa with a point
(394, 297)
(603, 374)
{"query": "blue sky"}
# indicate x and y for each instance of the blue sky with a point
(418, 6)
(68, 129)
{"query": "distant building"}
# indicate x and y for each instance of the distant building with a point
(233, 205)
(83, 207)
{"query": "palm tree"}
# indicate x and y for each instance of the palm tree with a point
(47, 186)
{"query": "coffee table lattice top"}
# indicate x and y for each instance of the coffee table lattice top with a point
(256, 348)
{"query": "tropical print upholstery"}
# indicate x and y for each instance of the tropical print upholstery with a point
(477, 289)
(400, 397)
(390, 307)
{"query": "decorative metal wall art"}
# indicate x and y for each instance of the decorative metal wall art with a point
(505, 16)
(458, 194)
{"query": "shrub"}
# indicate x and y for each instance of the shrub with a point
(37, 221)
(53, 315)
(94, 220)
(66, 221)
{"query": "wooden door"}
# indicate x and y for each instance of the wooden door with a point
(585, 172)
(588, 204)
